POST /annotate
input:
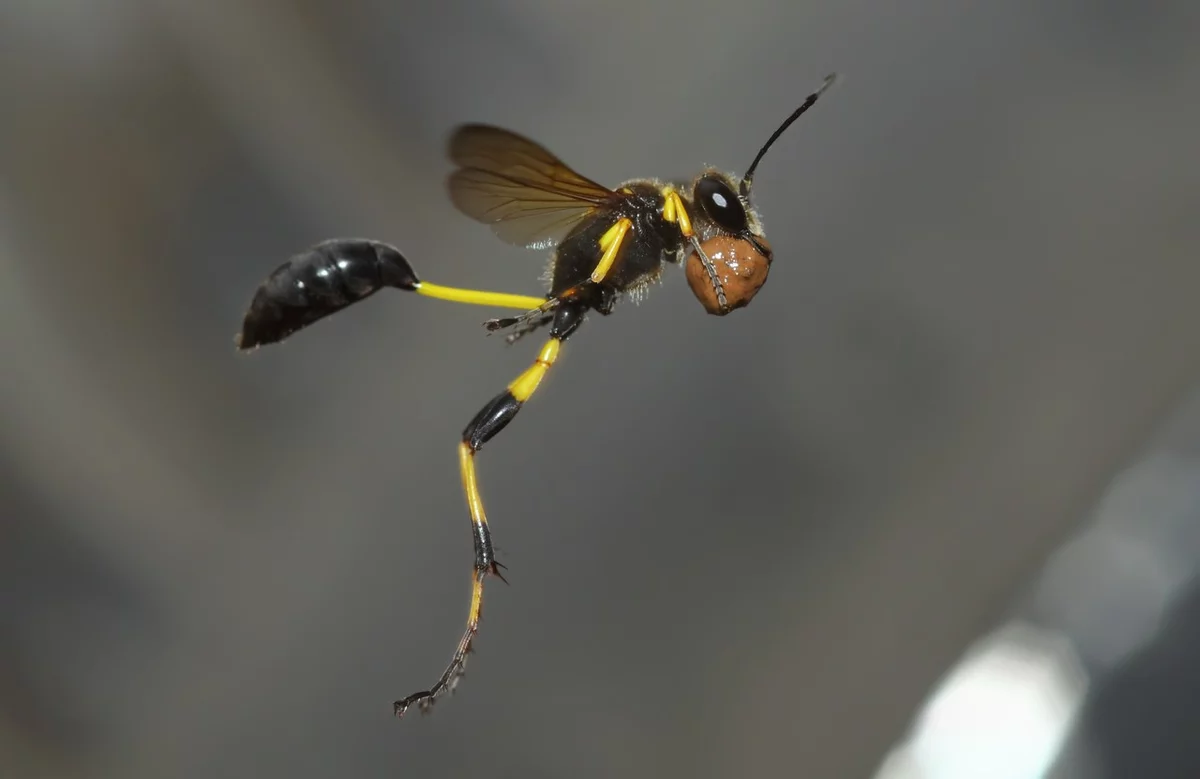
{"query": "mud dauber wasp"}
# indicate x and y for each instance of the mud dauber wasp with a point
(606, 244)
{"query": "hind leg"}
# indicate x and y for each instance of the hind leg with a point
(490, 420)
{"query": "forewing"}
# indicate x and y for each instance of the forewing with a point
(528, 196)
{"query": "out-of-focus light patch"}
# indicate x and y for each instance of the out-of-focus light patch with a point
(1111, 586)
(1110, 590)
(93, 38)
(1003, 713)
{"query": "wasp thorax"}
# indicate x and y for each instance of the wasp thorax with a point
(739, 269)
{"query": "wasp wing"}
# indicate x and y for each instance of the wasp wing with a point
(528, 196)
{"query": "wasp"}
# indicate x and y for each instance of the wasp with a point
(605, 244)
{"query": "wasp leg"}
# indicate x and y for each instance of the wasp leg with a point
(528, 327)
(604, 306)
(610, 247)
(543, 311)
(477, 297)
(675, 212)
(400, 274)
(529, 304)
(490, 420)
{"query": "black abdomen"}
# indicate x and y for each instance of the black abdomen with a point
(319, 282)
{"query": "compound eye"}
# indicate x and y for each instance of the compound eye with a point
(721, 204)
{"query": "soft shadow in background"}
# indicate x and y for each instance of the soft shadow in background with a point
(738, 547)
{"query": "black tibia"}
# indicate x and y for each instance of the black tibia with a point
(485, 554)
(490, 420)
(318, 282)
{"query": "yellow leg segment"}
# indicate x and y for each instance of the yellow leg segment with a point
(674, 211)
(610, 244)
(478, 297)
(466, 464)
(523, 387)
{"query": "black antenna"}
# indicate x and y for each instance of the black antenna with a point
(807, 104)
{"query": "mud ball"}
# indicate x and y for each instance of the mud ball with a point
(740, 268)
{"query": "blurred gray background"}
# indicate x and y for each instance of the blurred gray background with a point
(738, 547)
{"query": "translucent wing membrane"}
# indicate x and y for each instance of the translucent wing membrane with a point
(528, 196)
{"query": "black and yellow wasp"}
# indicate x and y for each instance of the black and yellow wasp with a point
(607, 243)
